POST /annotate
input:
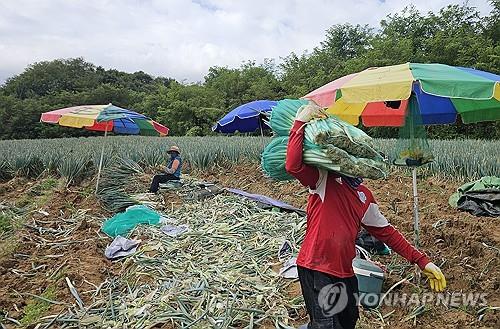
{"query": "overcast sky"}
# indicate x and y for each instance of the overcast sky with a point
(178, 38)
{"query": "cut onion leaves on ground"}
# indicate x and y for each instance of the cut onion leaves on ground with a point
(217, 275)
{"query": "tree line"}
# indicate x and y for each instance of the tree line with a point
(456, 35)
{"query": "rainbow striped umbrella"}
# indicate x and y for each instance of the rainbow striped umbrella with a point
(380, 96)
(107, 118)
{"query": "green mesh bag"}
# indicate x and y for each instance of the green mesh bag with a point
(326, 157)
(353, 166)
(329, 143)
(283, 115)
(124, 222)
(273, 159)
(412, 148)
(333, 131)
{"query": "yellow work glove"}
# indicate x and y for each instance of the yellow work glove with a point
(435, 276)
(308, 112)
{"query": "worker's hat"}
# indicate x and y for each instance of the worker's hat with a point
(174, 149)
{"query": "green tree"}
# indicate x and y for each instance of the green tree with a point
(249, 82)
(44, 78)
(455, 35)
(188, 106)
(343, 43)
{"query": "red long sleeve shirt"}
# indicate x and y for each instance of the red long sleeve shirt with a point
(335, 212)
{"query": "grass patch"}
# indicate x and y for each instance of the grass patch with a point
(24, 201)
(38, 195)
(44, 199)
(87, 191)
(35, 308)
(8, 246)
(5, 223)
(10, 221)
(48, 184)
(43, 187)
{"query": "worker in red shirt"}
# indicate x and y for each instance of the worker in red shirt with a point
(337, 207)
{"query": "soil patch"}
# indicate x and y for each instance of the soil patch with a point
(59, 238)
(461, 244)
(41, 256)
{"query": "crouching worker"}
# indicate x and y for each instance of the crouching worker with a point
(172, 171)
(337, 207)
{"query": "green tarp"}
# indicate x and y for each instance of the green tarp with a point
(487, 182)
(480, 198)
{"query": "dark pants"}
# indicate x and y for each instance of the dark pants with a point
(162, 178)
(330, 301)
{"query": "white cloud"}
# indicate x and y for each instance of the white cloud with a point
(177, 38)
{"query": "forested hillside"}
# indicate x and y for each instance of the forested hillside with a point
(456, 35)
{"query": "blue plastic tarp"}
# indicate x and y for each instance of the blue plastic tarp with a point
(266, 200)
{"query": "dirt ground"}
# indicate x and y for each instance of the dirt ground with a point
(37, 258)
(461, 244)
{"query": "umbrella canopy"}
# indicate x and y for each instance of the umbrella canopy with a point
(245, 118)
(379, 96)
(108, 118)
(434, 93)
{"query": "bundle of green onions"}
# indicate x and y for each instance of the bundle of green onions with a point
(332, 131)
(274, 155)
(329, 144)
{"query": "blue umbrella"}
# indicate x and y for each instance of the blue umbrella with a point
(245, 118)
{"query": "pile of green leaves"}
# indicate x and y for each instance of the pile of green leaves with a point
(115, 183)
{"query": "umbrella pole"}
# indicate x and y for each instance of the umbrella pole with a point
(100, 161)
(416, 223)
(260, 126)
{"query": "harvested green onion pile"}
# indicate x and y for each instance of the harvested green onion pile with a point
(217, 275)
(329, 144)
